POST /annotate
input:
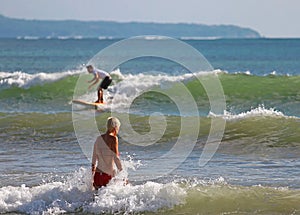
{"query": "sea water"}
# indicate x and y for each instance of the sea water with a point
(254, 171)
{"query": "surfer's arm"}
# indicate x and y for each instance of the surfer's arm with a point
(90, 81)
(95, 77)
(94, 81)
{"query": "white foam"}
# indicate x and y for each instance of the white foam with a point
(200, 38)
(25, 80)
(260, 111)
(31, 38)
(63, 37)
(75, 194)
(78, 37)
(150, 196)
(194, 182)
(131, 85)
(243, 73)
(273, 73)
(105, 38)
(55, 196)
(155, 37)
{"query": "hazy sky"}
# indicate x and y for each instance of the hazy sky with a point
(271, 18)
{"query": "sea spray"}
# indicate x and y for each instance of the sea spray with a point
(185, 196)
(74, 193)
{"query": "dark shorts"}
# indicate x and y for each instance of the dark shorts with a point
(105, 83)
(101, 179)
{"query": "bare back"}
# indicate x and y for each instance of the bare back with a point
(105, 153)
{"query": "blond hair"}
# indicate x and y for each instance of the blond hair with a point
(112, 123)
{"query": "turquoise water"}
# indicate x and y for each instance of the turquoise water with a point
(255, 170)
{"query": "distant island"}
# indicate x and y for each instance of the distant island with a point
(14, 28)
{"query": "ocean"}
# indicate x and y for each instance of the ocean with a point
(167, 118)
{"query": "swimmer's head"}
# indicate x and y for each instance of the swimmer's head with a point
(113, 124)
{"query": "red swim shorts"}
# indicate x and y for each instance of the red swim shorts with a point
(101, 179)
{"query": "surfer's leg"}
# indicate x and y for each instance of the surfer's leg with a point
(100, 95)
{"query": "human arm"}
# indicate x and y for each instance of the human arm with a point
(94, 81)
(94, 159)
(116, 157)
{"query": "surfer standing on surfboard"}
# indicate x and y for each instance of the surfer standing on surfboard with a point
(106, 154)
(99, 74)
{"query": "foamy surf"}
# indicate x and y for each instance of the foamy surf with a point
(260, 111)
(150, 196)
(25, 80)
(75, 195)
(186, 196)
(129, 86)
(57, 90)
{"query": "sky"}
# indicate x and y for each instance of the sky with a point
(271, 18)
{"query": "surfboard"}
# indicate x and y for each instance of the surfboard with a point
(93, 104)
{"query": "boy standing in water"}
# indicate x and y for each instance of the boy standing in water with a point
(99, 74)
(106, 154)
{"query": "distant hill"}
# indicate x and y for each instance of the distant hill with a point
(12, 28)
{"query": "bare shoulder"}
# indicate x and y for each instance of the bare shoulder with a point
(108, 139)
(113, 139)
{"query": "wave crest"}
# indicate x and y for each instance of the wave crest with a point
(25, 80)
(260, 111)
